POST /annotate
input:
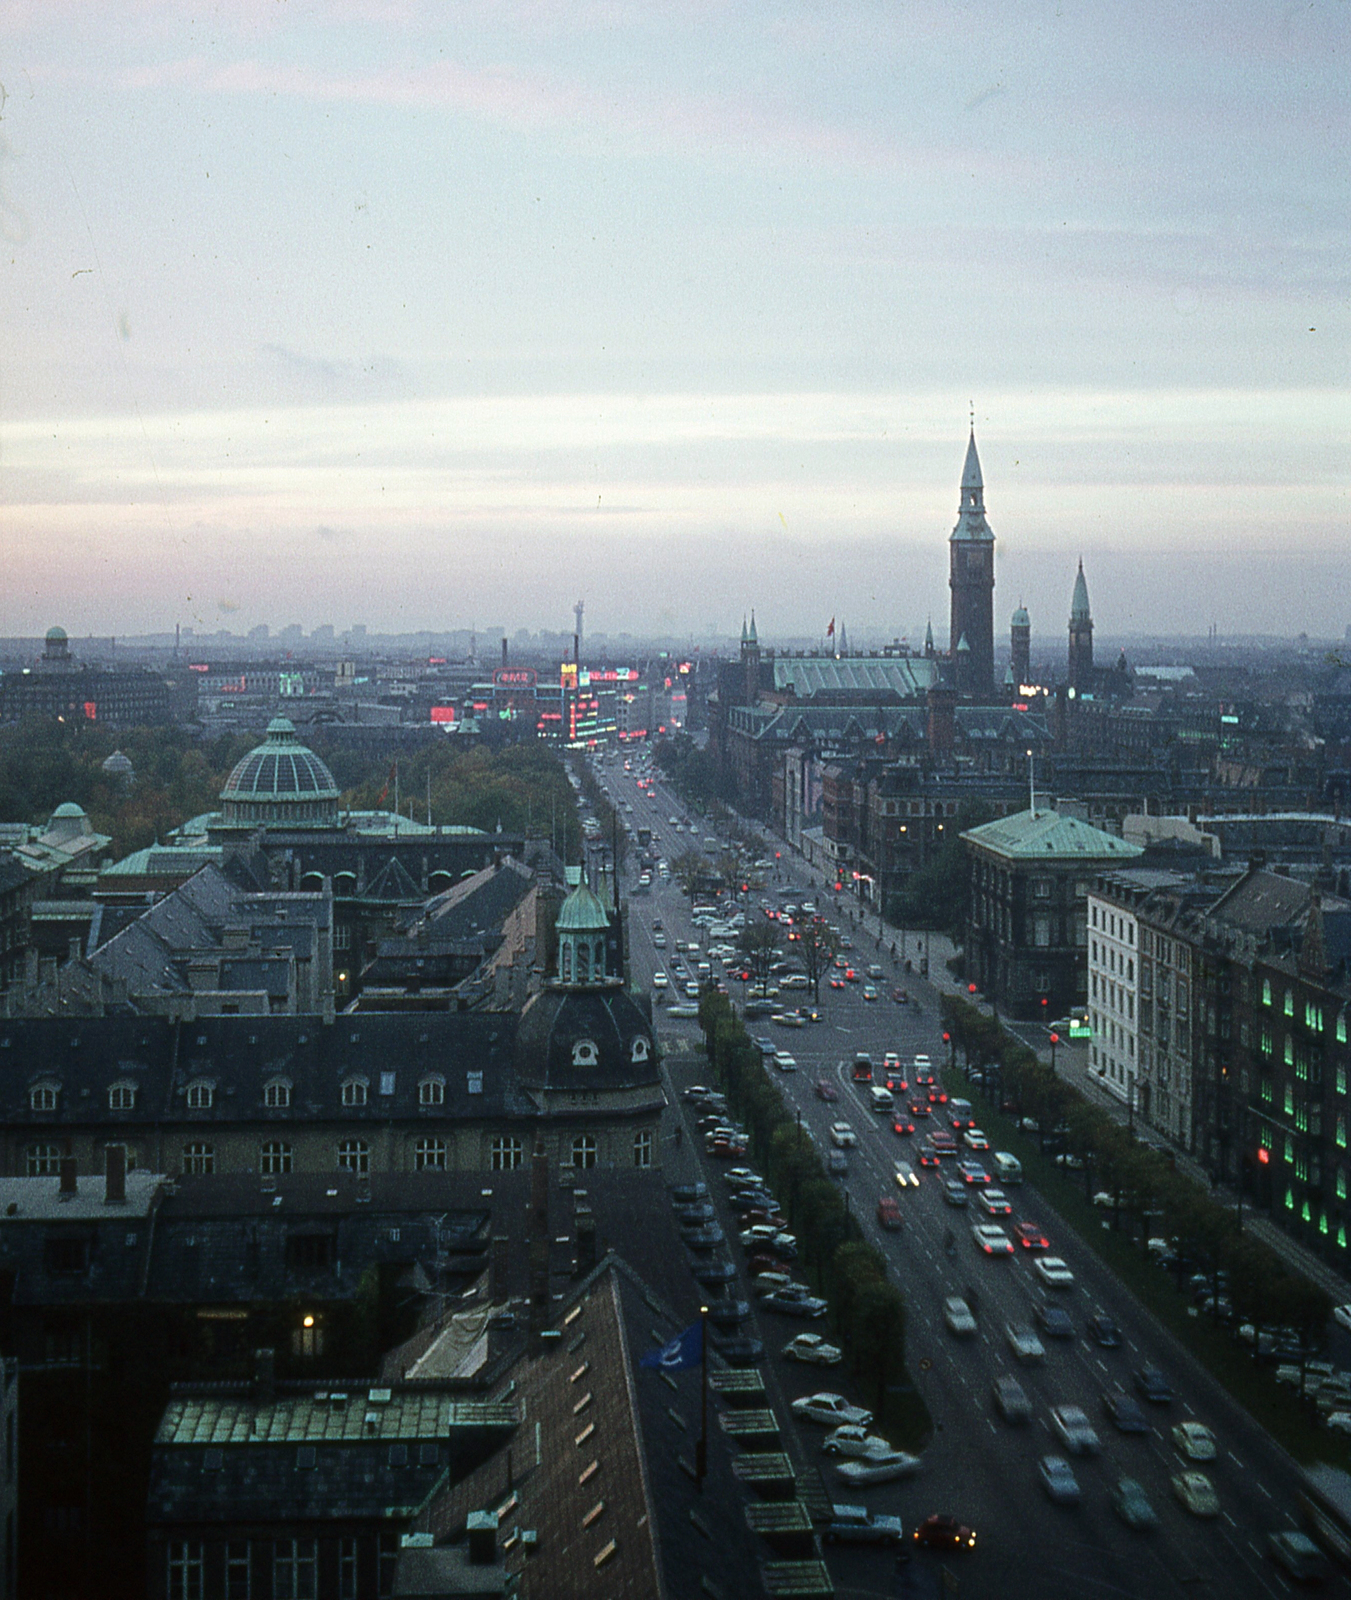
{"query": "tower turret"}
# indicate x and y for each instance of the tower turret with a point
(1081, 638)
(971, 579)
(1020, 646)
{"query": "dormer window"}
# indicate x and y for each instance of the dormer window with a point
(355, 1091)
(432, 1092)
(201, 1095)
(44, 1096)
(638, 1050)
(122, 1097)
(277, 1094)
(585, 1053)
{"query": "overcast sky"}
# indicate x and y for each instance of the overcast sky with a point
(429, 314)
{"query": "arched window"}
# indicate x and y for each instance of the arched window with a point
(274, 1158)
(122, 1097)
(277, 1094)
(642, 1148)
(583, 962)
(432, 1092)
(44, 1096)
(355, 1091)
(584, 1150)
(201, 1095)
(354, 1155)
(565, 964)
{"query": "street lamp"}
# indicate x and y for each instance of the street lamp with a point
(1055, 1040)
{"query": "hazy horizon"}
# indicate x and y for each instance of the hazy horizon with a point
(361, 312)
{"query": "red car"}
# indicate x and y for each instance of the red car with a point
(826, 1090)
(938, 1097)
(918, 1108)
(902, 1125)
(1030, 1236)
(837, 983)
(850, 975)
(940, 1532)
(888, 1212)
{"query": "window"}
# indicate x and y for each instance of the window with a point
(429, 1154)
(354, 1092)
(237, 1570)
(199, 1159)
(584, 1150)
(1341, 1027)
(347, 1569)
(43, 1096)
(506, 1154)
(185, 1569)
(294, 1569)
(310, 1252)
(431, 1092)
(1289, 1003)
(1266, 991)
(354, 1155)
(277, 1094)
(1041, 888)
(642, 1148)
(122, 1097)
(342, 937)
(274, 1158)
(44, 1160)
(201, 1096)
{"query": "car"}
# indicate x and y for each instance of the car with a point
(850, 976)
(786, 1019)
(918, 1108)
(751, 1200)
(1197, 1494)
(1054, 1320)
(792, 1304)
(1150, 1382)
(836, 982)
(905, 1175)
(718, 1270)
(1075, 1431)
(974, 1139)
(826, 1090)
(853, 1439)
(961, 1117)
(942, 1141)
(1070, 1162)
(943, 1532)
(784, 1062)
(994, 1202)
(1125, 1412)
(1058, 1480)
(1011, 1400)
(728, 1313)
(1030, 1236)
(902, 1124)
(937, 1096)
(682, 1010)
(922, 1069)
(659, 980)
(1023, 1342)
(830, 1409)
(930, 1158)
(689, 1193)
(973, 1172)
(883, 1467)
(738, 1349)
(1298, 1554)
(702, 1235)
(888, 1213)
(891, 1064)
(765, 1235)
(1131, 1504)
(1103, 1331)
(842, 1136)
(742, 1178)
(1053, 1272)
(1195, 1441)
(769, 1278)
(954, 1192)
(869, 991)
(813, 1350)
(957, 1315)
(990, 1238)
(837, 1163)
(854, 1525)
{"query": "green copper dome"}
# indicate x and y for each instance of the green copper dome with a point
(582, 912)
(281, 783)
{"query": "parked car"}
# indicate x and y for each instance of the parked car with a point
(813, 1350)
(831, 1409)
(880, 1468)
(793, 1304)
(853, 1439)
(855, 1525)
(944, 1532)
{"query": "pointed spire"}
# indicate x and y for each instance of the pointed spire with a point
(929, 637)
(754, 637)
(971, 478)
(744, 637)
(1079, 604)
(971, 523)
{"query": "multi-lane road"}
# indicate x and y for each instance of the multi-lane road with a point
(977, 1465)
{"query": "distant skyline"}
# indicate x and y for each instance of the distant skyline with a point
(374, 311)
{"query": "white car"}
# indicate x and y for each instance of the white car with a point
(1195, 1441)
(812, 1349)
(842, 1136)
(853, 1439)
(784, 1062)
(1053, 1272)
(1024, 1342)
(1341, 1315)
(906, 1176)
(992, 1239)
(1075, 1431)
(957, 1315)
(974, 1139)
(830, 1409)
(995, 1202)
(659, 980)
(881, 1468)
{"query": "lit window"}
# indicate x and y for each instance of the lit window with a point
(201, 1096)
(354, 1155)
(199, 1159)
(506, 1154)
(354, 1092)
(122, 1097)
(43, 1097)
(429, 1154)
(1266, 991)
(584, 1150)
(431, 1092)
(277, 1094)
(1289, 1003)
(274, 1158)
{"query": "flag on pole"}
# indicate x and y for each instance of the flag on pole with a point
(685, 1350)
(830, 631)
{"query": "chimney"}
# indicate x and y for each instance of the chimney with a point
(499, 1269)
(264, 1376)
(482, 1530)
(115, 1175)
(504, 652)
(70, 1183)
(74, 950)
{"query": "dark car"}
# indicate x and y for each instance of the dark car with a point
(1054, 1320)
(943, 1532)
(930, 1158)
(728, 1313)
(1103, 1331)
(719, 1270)
(688, 1193)
(1150, 1382)
(902, 1124)
(826, 1090)
(752, 1200)
(738, 1349)
(703, 1236)
(1124, 1410)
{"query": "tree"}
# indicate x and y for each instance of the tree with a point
(758, 942)
(689, 869)
(817, 944)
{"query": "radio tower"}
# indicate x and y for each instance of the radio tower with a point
(577, 612)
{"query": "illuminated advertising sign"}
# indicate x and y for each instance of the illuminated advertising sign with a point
(567, 674)
(443, 714)
(515, 677)
(290, 685)
(91, 710)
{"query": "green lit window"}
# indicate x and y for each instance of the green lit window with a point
(1289, 1151)
(1310, 1014)
(1341, 1077)
(1302, 1117)
(1341, 1027)
(1341, 1130)
(1341, 1183)
(1289, 1100)
(1322, 1222)
(1266, 1087)
(1266, 991)
(1289, 1051)
(1301, 1066)
(1341, 1237)
(1289, 1003)
(1267, 1045)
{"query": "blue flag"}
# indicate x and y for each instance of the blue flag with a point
(685, 1350)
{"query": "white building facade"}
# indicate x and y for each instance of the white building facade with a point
(1114, 997)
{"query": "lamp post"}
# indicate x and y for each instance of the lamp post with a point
(1055, 1040)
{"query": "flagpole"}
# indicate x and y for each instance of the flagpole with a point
(701, 1449)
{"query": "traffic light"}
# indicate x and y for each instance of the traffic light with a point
(1055, 1038)
(947, 1038)
(1263, 1157)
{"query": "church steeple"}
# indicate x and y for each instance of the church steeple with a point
(1081, 637)
(971, 579)
(971, 523)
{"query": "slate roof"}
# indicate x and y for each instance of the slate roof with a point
(808, 676)
(1044, 835)
(583, 1040)
(475, 905)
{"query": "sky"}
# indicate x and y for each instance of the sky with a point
(423, 315)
